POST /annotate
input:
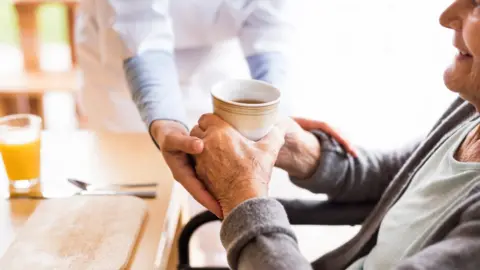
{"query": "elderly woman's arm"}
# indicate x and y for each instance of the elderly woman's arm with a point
(340, 175)
(323, 163)
(346, 178)
(258, 235)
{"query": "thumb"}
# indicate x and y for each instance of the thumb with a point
(182, 142)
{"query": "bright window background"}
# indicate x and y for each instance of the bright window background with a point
(373, 68)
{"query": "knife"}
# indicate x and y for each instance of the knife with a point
(140, 194)
(87, 186)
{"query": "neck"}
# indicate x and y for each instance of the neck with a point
(469, 150)
(475, 134)
(474, 101)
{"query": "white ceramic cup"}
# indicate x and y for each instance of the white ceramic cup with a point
(232, 101)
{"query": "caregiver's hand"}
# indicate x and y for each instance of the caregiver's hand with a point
(234, 168)
(176, 144)
(301, 153)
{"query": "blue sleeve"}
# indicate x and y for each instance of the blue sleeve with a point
(153, 82)
(272, 67)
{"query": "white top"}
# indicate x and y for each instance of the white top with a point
(208, 38)
(131, 27)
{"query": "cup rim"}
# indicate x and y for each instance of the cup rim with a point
(218, 84)
(35, 118)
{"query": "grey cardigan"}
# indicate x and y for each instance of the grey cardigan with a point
(257, 234)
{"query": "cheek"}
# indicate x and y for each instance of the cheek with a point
(471, 35)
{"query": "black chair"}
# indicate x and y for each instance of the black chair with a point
(300, 212)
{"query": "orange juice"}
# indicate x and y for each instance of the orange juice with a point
(20, 149)
(21, 160)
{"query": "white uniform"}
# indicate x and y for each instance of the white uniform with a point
(209, 39)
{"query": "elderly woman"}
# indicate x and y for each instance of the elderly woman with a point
(428, 194)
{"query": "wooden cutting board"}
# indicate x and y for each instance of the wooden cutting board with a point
(81, 232)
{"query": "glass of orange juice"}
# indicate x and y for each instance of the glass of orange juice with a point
(20, 149)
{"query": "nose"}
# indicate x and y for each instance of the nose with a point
(450, 18)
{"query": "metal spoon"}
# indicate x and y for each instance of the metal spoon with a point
(87, 186)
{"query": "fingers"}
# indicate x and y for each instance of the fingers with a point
(197, 132)
(199, 192)
(308, 124)
(183, 172)
(312, 124)
(209, 119)
(180, 142)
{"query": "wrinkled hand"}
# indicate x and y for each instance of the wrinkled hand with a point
(310, 125)
(176, 145)
(234, 168)
(301, 152)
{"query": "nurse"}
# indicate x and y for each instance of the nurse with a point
(148, 65)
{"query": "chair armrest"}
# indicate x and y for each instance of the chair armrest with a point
(299, 212)
(185, 236)
(311, 212)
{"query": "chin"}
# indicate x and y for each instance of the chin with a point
(461, 88)
(453, 81)
(449, 83)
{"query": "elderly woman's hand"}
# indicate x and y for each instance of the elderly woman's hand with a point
(234, 168)
(301, 152)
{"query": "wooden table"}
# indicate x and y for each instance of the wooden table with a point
(106, 158)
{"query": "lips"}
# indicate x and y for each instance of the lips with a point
(465, 54)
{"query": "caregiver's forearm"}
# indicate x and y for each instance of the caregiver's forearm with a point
(272, 67)
(257, 235)
(153, 82)
(268, 67)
